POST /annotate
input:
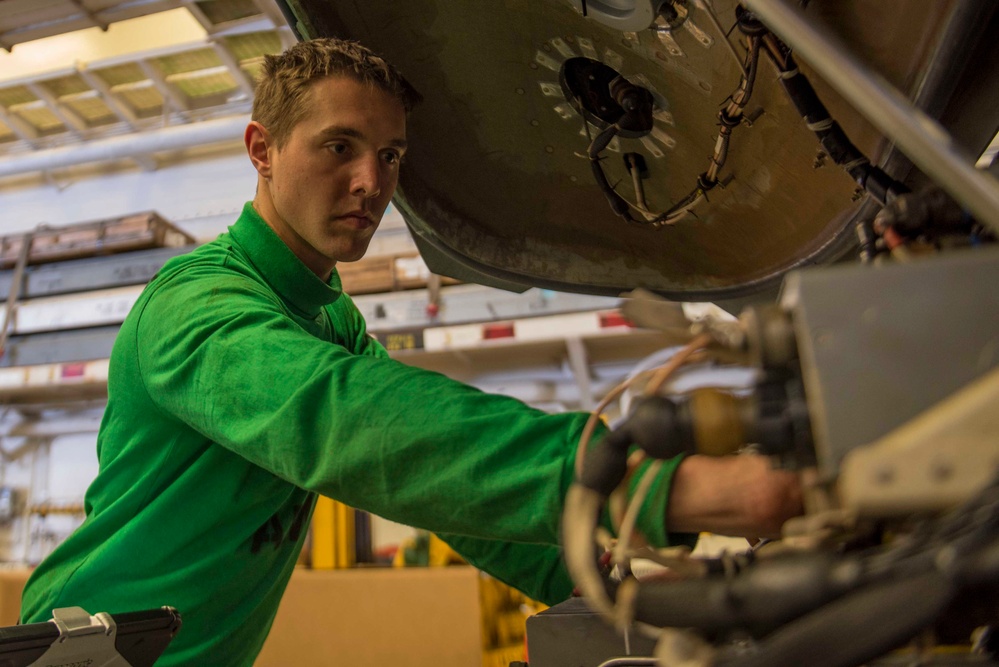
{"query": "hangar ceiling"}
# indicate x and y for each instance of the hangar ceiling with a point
(200, 65)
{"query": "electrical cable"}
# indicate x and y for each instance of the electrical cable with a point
(629, 662)
(959, 549)
(591, 423)
(656, 378)
(617, 503)
(647, 365)
(660, 376)
(583, 505)
(832, 138)
(623, 545)
(729, 117)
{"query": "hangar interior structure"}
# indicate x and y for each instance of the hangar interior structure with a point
(803, 190)
(121, 146)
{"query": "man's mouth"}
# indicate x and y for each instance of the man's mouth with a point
(357, 219)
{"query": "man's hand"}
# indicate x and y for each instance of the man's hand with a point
(741, 496)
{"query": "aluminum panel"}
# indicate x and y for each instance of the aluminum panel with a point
(76, 311)
(58, 347)
(880, 345)
(95, 273)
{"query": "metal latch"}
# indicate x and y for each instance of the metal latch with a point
(83, 641)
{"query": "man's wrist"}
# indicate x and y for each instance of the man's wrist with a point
(741, 496)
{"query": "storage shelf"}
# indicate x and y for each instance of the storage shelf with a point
(602, 337)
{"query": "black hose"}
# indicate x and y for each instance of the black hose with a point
(758, 600)
(853, 629)
(606, 465)
(831, 136)
(616, 201)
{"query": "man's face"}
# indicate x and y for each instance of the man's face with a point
(335, 174)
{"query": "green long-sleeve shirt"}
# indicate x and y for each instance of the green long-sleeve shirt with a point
(240, 386)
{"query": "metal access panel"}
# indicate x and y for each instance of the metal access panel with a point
(879, 345)
(498, 185)
(94, 273)
(571, 635)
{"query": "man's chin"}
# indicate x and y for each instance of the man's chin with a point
(351, 254)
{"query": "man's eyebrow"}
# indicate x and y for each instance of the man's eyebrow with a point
(344, 131)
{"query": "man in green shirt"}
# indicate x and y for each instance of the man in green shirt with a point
(243, 383)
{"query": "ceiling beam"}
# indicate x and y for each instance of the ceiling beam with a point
(73, 122)
(120, 109)
(171, 96)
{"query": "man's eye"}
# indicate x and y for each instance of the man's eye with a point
(392, 158)
(338, 149)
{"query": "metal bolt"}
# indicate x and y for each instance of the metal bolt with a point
(549, 149)
(535, 122)
(520, 91)
(942, 471)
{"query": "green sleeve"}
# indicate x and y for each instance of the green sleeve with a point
(361, 342)
(220, 354)
(536, 570)
(407, 444)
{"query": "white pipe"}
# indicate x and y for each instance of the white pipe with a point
(174, 138)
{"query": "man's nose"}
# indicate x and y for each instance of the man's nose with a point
(366, 179)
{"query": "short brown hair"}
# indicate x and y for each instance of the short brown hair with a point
(280, 100)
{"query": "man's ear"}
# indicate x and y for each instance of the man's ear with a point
(258, 144)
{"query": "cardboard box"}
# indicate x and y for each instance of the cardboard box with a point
(11, 584)
(409, 617)
(386, 274)
(366, 276)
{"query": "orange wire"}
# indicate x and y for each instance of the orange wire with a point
(659, 377)
(677, 360)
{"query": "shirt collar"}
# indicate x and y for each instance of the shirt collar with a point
(280, 267)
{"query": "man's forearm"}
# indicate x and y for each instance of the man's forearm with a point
(734, 495)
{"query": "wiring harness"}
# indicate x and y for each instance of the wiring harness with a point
(637, 104)
(815, 607)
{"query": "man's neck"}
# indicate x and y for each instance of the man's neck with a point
(319, 265)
